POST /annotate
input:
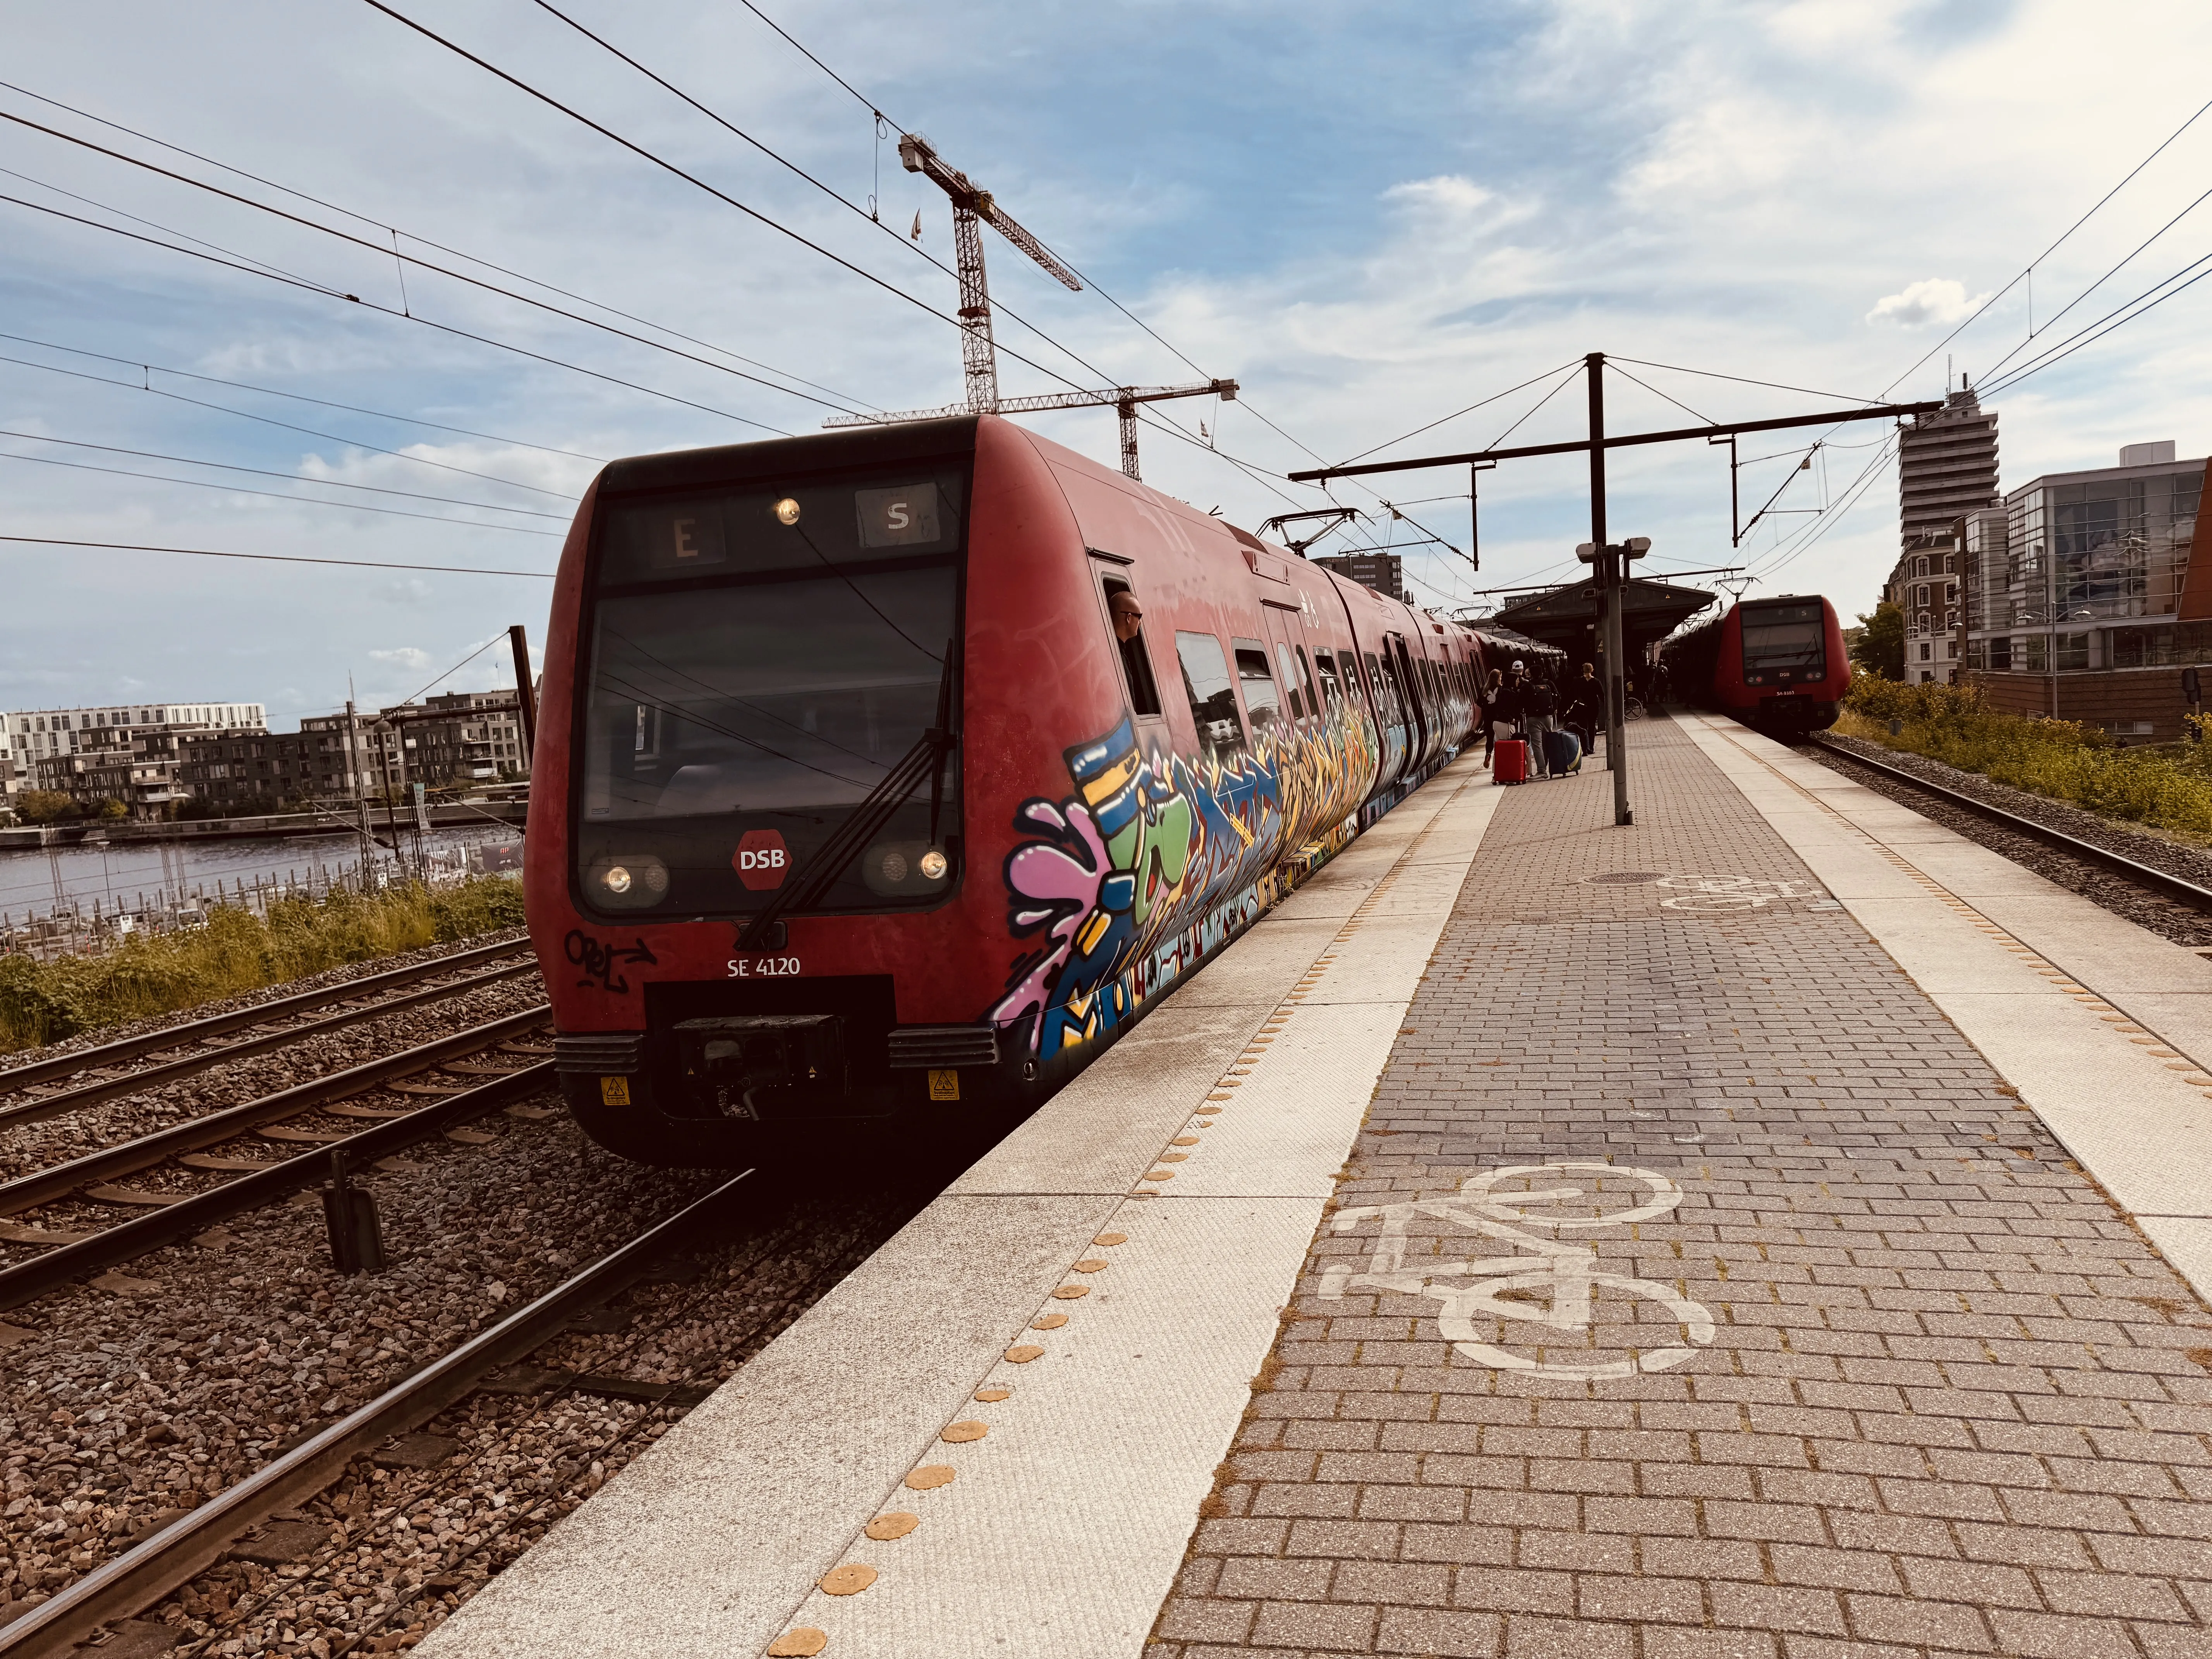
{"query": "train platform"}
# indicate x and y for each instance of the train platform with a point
(1777, 1229)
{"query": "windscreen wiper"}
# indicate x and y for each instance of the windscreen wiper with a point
(806, 884)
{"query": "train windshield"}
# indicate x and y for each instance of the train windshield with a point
(761, 662)
(1788, 634)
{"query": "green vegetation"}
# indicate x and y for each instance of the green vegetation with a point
(2168, 788)
(152, 974)
(1877, 644)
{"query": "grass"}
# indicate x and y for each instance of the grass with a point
(238, 952)
(2168, 788)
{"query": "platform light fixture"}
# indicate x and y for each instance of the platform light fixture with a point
(786, 511)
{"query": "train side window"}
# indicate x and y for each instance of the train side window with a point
(1212, 693)
(1289, 665)
(1305, 673)
(1136, 657)
(1261, 701)
(1386, 705)
(1330, 688)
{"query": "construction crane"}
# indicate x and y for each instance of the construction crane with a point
(978, 355)
(971, 208)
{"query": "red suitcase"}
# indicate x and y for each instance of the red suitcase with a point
(1509, 762)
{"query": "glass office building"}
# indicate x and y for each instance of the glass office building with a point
(2080, 579)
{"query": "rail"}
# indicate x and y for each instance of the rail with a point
(44, 1185)
(141, 1576)
(2176, 887)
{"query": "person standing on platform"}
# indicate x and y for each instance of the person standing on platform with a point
(1540, 708)
(1493, 693)
(1584, 700)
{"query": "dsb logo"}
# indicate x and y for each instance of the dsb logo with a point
(762, 860)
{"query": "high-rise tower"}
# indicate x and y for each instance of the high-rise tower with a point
(1946, 467)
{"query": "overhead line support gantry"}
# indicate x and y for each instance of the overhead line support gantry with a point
(1609, 562)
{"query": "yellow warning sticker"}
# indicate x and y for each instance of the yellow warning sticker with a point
(614, 1091)
(944, 1085)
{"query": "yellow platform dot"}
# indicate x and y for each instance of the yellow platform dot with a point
(1070, 1292)
(991, 1396)
(1184, 1140)
(848, 1580)
(1111, 1238)
(897, 1524)
(1175, 1158)
(804, 1643)
(1159, 1174)
(930, 1476)
(1022, 1352)
(1092, 1264)
(1047, 1321)
(959, 1434)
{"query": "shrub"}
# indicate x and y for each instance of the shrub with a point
(45, 807)
(2170, 789)
(237, 951)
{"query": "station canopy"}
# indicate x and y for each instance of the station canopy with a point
(1567, 617)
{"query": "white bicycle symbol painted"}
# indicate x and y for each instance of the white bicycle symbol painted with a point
(1556, 1287)
(1712, 893)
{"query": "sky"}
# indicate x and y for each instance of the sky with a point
(1376, 218)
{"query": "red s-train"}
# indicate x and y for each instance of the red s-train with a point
(853, 802)
(1781, 665)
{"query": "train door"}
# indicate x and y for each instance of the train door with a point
(1390, 720)
(1423, 723)
(1302, 699)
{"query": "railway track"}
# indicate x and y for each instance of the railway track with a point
(108, 1055)
(2167, 886)
(144, 1574)
(172, 1212)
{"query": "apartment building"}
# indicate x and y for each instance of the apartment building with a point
(1947, 469)
(119, 751)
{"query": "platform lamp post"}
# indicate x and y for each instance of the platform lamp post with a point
(1609, 563)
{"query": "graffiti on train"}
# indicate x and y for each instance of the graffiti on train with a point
(1155, 861)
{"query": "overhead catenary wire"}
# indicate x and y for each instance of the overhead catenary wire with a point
(268, 472)
(275, 558)
(274, 495)
(388, 311)
(362, 242)
(2033, 333)
(394, 230)
(297, 396)
(270, 420)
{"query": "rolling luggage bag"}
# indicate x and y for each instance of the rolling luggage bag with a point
(1509, 764)
(1563, 750)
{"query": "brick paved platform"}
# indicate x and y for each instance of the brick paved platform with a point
(1827, 1349)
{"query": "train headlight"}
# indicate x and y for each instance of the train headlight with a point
(905, 869)
(627, 881)
(786, 511)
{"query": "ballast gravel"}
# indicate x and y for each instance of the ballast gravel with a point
(121, 1412)
(2100, 885)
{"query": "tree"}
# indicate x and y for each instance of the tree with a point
(45, 807)
(108, 807)
(1878, 645)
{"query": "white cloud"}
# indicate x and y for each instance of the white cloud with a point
(1932, 299)
(404, 656)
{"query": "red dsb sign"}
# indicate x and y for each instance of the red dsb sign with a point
(762, 860)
